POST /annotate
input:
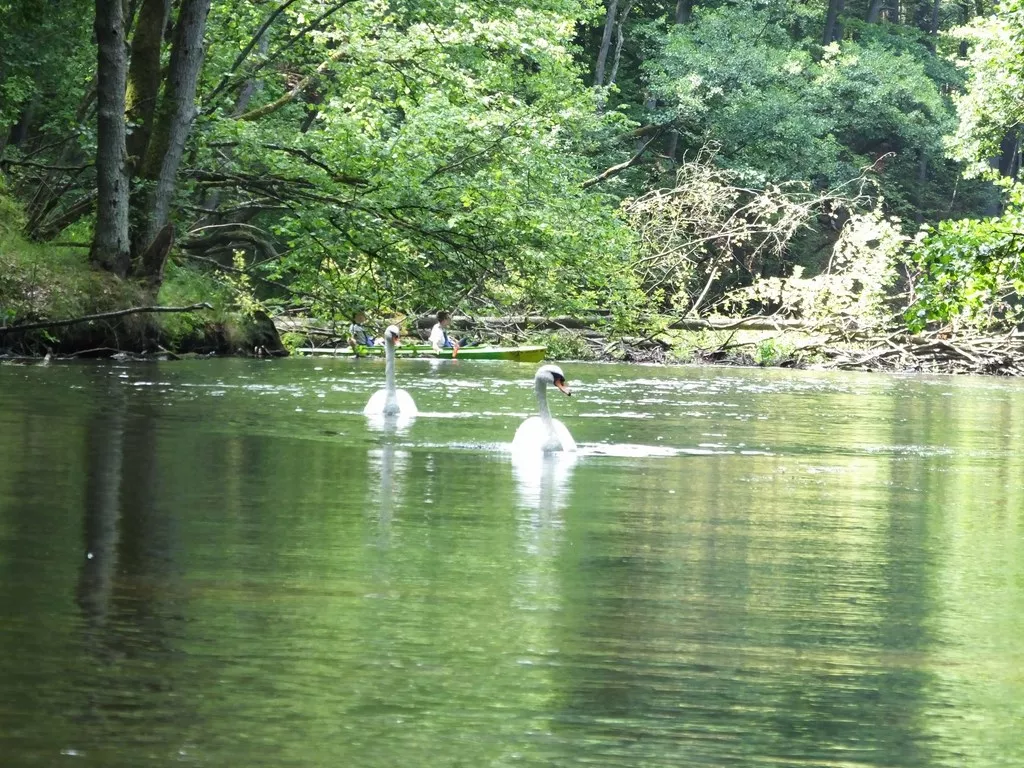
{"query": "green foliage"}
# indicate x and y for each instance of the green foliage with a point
(183, 286)
(45, 52)
(410, 155)
(292, 341)
(445, 162)
(772, 352)
(992, 105)
(780, 108)
(970, 273)
(565, 345)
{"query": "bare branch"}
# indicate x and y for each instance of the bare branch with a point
(45, 167)
(101, 316)
(616, 169)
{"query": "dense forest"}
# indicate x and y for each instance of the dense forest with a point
(848, 160)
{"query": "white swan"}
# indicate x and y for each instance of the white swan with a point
(543, 433)
(390, 401)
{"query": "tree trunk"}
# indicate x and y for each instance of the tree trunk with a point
(606, 42)
(1009, 154)
(835, 7)
(684, 11)
(964, 47)
(620, 37)
(110, 247)
(684, 14)
(875, 11)
(253, 85)
(144, 75)
(172, 124)
(933, 26)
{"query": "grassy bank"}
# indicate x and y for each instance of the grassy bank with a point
(44, 282)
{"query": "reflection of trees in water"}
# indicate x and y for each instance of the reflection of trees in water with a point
(704, 628)
(103, 450)
(125, 589)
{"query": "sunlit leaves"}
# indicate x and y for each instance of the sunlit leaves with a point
(437, 160)
(970, 272)
(993, 103)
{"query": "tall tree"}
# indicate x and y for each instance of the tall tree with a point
(606, 41)
(832, 29)
(110, 246)
(144, 75)
(171, 126)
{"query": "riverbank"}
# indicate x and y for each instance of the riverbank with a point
(753, 341)
(53, 302)
(750, 342)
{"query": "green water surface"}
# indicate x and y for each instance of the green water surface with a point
(223, 563)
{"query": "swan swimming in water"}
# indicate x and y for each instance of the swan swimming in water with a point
(390, 401)
(543, 433)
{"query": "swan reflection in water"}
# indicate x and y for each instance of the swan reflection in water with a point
(388, 461)
(543, 480)
(544, 490)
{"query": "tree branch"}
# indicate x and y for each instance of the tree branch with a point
(44, 166)
(635, 160)
(101, 316)
(290, 96)
(240, 59)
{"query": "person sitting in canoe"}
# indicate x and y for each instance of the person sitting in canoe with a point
(439, 338)
(357, 335)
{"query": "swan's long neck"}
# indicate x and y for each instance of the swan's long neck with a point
(540, 387)
(389, 366)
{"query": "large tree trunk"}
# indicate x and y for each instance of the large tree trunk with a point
(606, 42)
(620, 37)
(875, 11)
(684, 11)
(933, 26)
(684, 14)
(144, 75)
(835, 7)
(170, 129)
(110, 247)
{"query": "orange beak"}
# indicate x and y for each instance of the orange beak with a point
(562, 385)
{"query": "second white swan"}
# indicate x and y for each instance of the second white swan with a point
(390, 401)
(543, 433)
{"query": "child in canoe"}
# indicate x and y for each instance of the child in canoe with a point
(439, 338)
(357, 335)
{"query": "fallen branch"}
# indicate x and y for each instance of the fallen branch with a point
(621, 166)
(102, 316)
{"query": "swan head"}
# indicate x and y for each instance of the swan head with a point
(392, 334)
(552, 374)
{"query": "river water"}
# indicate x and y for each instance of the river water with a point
(222, 563)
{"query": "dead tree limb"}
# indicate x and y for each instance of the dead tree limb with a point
(102, 316)
(634, 160)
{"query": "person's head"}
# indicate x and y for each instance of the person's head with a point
(359, 317)
(444, 319)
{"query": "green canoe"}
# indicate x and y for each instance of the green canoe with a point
(518, 354)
